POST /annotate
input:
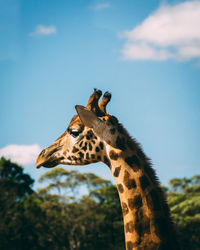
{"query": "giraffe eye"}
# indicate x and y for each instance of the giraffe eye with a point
(74, 133)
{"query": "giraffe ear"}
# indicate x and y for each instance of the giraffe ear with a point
(90, 119)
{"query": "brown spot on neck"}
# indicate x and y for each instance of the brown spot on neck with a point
(113, 155)
(128, 181)
(107, 161)
(144, 182)
(129, 227)
(135, 203)
(133, 162)
(124, 208)
(120, 143)
(130, 245)
(117, 171)
(153, 201)
(120, 188)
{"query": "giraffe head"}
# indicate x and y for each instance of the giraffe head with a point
(86, 138)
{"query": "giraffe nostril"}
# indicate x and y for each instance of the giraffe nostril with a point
(42, 153)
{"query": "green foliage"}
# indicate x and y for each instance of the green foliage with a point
(70, 182)
(52, 218)
(94, 221)
(184, 201)
(19, 210)
(14, 183)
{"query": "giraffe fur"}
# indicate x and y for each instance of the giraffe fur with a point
(93, 136)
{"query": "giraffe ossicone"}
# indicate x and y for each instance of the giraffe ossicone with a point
(92, 136)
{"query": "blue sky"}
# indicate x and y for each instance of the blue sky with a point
(146, 53)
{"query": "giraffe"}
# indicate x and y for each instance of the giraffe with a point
(92, 136)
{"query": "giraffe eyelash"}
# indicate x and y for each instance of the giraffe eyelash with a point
(74, 133)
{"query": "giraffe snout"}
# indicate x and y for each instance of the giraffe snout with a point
(40, 159)
(48, 157)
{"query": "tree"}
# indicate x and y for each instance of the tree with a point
(184, 201)
(62, 216)
(20, 212)
(14, 184)
(91, 221)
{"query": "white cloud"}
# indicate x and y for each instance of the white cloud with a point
(42, 30)
(102, 6)
(21, 154)
(143, 51)
(171, 32)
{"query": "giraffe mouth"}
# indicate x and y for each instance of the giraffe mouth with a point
(49, 163)
(47, 157)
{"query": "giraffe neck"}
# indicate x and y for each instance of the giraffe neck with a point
(146, 216)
